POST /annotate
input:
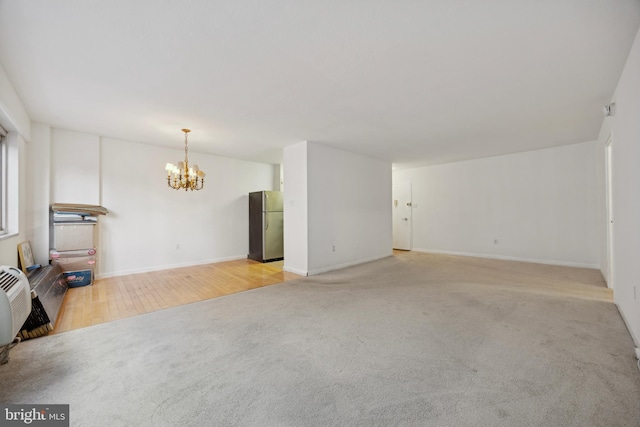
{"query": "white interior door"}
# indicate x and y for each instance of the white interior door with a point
(402, 216)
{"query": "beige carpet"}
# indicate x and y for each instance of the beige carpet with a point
(414, 340)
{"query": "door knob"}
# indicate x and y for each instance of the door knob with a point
(405, 219)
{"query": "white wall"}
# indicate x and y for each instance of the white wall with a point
(149, 221)
(38, 191)
(13, 115)
(75, 171)
(296, 242)
(625, 131)
(349, 200)
(540, 206)
(348, 208)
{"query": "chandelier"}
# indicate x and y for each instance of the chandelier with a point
(184, 176)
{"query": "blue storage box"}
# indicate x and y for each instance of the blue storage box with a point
(76, 279)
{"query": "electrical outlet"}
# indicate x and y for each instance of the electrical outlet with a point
(495, 241)
(333, 248)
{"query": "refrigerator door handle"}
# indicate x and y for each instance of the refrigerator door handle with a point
(266, 222)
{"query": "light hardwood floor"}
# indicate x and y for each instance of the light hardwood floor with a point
(125, 296)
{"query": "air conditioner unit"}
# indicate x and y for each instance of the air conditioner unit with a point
(15, 306)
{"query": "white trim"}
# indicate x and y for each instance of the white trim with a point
(168, 266)
(4, 163)
(609, 224)
(347, 264)
(511, 258)
(8, 235)
(295, 271)
(12, 186)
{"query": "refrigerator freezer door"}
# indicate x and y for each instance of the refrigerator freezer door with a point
(272, 201)
(255, 226)
(273, 242)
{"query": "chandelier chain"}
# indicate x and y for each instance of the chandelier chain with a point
(186, 148)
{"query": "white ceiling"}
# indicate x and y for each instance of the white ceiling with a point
(411, 82)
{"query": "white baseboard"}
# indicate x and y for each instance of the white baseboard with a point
(346, 264)
(232, 258)
(636, 341)
(167, 267)
(295, 271)
(510, 258)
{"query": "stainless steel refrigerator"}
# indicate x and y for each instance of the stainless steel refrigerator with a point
(266, 239)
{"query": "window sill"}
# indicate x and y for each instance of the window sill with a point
(8, 236)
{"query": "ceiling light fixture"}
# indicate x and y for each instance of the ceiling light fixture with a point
(184, 176)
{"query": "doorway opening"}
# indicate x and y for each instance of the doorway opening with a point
(402, 220)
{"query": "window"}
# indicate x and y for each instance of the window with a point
(3, 181)
(9, 182)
